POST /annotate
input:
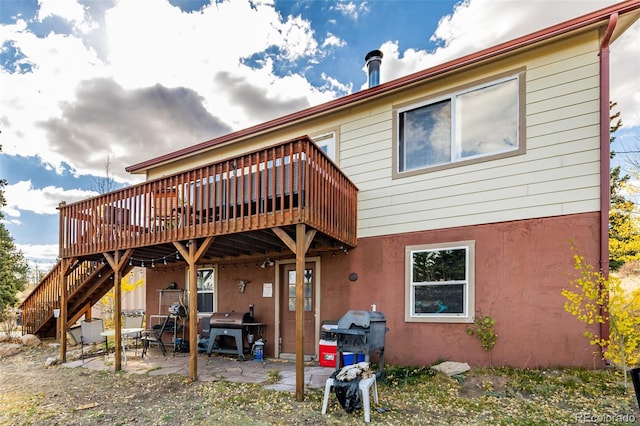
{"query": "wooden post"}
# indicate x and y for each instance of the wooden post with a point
(191, 257)
(117, 263)
(299, 247)
(300, 261)
(117, 307)
(62, 320)
(193, 313)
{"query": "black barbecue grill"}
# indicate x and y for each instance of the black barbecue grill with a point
(242, 327)
(361, 332)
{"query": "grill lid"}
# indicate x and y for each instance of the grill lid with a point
(229, 319)
(360, 319)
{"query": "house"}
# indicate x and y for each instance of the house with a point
(453, 191)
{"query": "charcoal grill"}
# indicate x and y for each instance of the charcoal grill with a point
(236, 325)
(361, 332)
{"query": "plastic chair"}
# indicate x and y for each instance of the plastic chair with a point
(133, 321)
(364, 387)
(91, 329)
(154, 337)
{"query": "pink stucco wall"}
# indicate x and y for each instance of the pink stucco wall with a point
(521, 268)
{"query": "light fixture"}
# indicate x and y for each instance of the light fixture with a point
(267, 262)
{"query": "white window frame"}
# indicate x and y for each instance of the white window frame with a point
(214, 291)
(468, 315)
(456, 158)
(327, 143)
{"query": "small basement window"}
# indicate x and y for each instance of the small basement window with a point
(440, 282)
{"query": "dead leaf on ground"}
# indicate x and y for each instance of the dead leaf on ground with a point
(87, 406)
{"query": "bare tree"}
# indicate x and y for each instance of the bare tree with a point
(106, 183)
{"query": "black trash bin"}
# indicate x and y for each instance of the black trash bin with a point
(635, 376)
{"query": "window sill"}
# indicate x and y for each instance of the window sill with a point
(440, 319)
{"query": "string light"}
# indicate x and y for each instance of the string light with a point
(133, 261)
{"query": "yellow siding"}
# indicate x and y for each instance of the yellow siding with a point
(558, 174)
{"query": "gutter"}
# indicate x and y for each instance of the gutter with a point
(605, 155)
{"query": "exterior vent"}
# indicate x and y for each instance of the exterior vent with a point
(373, 60)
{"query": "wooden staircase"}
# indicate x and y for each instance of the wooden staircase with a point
(87, 282)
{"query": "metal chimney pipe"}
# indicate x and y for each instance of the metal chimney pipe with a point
(373, 60)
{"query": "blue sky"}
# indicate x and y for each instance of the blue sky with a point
(83, 82)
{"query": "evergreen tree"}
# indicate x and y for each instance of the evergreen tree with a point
(624, 228)
(13, 266)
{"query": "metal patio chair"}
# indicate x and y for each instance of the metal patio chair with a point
(154, 337)
(91, 329)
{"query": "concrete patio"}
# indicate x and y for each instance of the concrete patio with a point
(213, 368)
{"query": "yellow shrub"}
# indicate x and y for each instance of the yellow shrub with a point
(596, 299)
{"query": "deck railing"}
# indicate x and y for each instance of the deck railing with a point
(292, 182)
(38, 307)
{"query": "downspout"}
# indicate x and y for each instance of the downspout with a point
(605, 152)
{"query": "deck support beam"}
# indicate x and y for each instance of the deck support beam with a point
(299, 247)
(117, 264)
(61, 321)
(192, 254)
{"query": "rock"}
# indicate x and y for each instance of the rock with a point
(30, 340)
(8, 349)
(50, 361)
(451, 368)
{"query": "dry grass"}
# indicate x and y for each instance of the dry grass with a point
(31, 394)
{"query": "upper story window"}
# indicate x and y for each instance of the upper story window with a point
(327, 143)
(440, 282)
(474, 123)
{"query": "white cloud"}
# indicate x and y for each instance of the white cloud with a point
(336, 85)
(298, 41)
(625, 69)
(479, 24)
(69, 10)
(59, 63)
(169, 48)
(40, 256)
(334, 41)
(23, 196)
(352, 10)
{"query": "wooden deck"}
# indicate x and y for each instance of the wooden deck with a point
(286, 184)
(247, 203)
